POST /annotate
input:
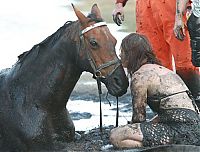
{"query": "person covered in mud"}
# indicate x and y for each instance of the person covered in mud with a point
(177, 120)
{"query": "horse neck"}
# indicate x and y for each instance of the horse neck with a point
(51, 71)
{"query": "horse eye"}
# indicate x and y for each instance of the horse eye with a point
(93, 43)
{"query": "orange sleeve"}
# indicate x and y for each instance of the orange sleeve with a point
(121, 1)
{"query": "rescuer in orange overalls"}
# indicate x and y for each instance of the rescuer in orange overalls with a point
(155, 19)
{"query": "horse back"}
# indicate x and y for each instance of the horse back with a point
(3, 74)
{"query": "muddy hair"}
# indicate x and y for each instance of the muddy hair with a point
(138, 52)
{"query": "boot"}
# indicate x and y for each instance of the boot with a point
(192, 80)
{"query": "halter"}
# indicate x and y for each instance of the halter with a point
(93, 26)
(97, 69)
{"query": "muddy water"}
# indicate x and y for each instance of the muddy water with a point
(91, 121)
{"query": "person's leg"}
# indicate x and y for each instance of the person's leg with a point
(127, 136)
(129, 144)
(193, 27)
(147, 26)
(193, 79)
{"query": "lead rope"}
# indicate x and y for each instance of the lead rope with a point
(100, 92)
(117, 113)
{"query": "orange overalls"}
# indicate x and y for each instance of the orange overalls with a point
(155, 19)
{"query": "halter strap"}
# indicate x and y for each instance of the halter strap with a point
(102, 66)
(97, 70)
(93, 26)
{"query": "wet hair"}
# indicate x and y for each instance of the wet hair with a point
(138, 52)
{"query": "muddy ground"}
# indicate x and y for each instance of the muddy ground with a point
(93, 140)
(96, 141)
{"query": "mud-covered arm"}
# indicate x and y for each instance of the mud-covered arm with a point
(139, 99)
(179, 30)
(181, 7)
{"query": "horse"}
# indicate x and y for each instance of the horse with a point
(35, 90)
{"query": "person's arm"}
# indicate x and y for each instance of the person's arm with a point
(179, 30)
(121, 1)
(139, 99)
(118, 12)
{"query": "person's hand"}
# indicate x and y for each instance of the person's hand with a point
(118, 14)
(179, 29)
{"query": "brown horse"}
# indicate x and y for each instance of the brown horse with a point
(35, 91)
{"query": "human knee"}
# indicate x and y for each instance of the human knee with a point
(113, 137)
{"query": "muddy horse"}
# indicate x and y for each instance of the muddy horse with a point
(35, 91)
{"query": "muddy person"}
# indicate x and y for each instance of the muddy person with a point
(155, 19)
(177, 120)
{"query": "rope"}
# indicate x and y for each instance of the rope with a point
(117, 114)
(100, 92)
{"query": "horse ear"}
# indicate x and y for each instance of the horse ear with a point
(81, 17)
(96, 10)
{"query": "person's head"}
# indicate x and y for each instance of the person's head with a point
(136, 51)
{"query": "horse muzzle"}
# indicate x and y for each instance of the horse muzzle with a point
(117, 83)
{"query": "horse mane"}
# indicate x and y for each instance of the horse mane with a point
(50, 40)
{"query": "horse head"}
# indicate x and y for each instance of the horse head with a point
(97, 52)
